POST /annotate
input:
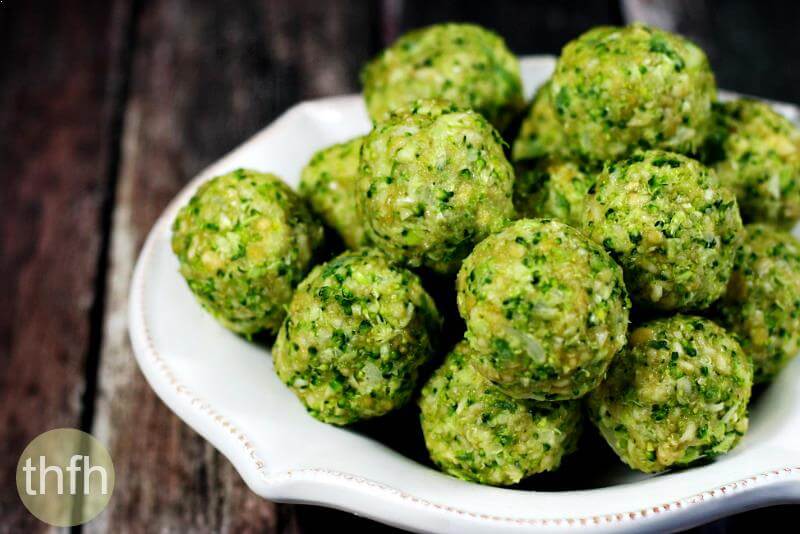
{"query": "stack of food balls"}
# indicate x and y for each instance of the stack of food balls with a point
(622, 203)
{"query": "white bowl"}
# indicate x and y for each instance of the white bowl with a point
(225, 388)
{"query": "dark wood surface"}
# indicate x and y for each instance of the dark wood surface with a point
(59, 101)
(107, 107)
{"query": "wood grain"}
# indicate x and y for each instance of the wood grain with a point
(528, 26)
(205, 76)
(58, 99)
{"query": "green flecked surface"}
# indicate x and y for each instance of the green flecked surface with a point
(635, 87)
(762, 304)
(546, 310)
(356, 332)
(244, 241)
(758, 156)
(434, 181)
(460, 63)
(677, 394)
(553, 189)
(476, 432)
(328, 182)
(666, 219)
(541, 134)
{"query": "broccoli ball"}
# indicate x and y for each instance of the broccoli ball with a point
(329, 184)
(553, 189)
(244, 241)
(619, 89)
(460, 63)
(762, 304)
(760, 160)
(540, 134)
(434, 181)
(678, 393)
(673, 228)
(476, 432)
(546, 310)
(357, 330)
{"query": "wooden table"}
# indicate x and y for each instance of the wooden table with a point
(107, 107)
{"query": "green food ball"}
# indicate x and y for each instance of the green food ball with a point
(553, 189)
(621, 89)
(762, 304)
(546, 310)
(760, 160)
(541, 134)
(244, 241)
(673, 228)
(329, 184)
(476, 432)
(677, 394)
(434, 181)
(357, 330)
(460, 63)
